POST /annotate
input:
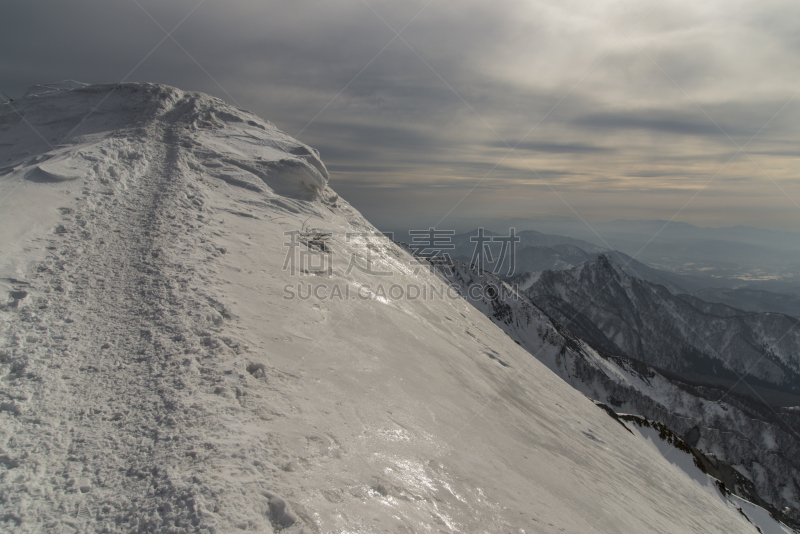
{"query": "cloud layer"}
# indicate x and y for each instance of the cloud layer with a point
(610, 109)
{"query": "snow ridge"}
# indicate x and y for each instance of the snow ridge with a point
(161, 370)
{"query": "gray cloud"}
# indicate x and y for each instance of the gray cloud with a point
(612, 123)
(555, 148)
(657, 122)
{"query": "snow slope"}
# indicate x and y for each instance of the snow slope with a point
(154, 378)
(659, 438)
(733, 429)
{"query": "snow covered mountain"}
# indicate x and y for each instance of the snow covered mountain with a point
(536, 252)
(674, 360)
(200, 336)
(698, 341)
(748, 445)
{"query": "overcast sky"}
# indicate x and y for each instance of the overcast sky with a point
(598, 109)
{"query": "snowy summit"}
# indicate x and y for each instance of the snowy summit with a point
(163, 367)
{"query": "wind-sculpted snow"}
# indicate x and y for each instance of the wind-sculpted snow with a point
(170, 361)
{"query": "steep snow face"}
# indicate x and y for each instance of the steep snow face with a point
(735, 429)
(674, 450)
(164, 368)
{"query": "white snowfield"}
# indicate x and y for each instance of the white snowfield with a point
(153, 378)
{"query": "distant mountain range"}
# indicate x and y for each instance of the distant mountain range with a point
(697, 341)
(755, 300)
(537, 251)
(731, 257)
(754, 443)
